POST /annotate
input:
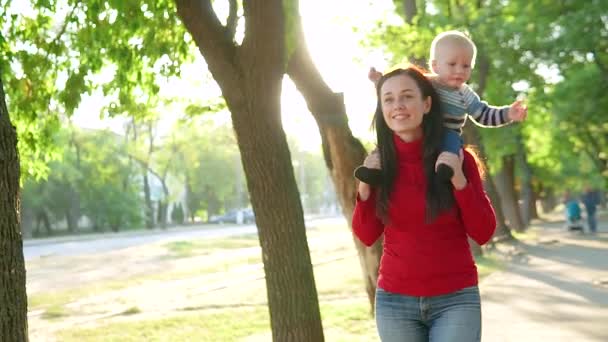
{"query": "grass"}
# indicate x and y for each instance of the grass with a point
(226, 325)
(131, 311)
(487, 264)
(60, 298)
(344, 321)
(529, 234)
(185, 249)
(55, 312)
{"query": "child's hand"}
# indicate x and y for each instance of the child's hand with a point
(518, 111)
(374, 75)
(372, 161)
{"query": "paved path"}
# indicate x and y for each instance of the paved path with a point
(99, 243)
(556, 289)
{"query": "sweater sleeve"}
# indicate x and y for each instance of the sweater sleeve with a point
(366, 224)
(484, 114)
(476, 210)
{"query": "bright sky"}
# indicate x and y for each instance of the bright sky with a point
(336, 52)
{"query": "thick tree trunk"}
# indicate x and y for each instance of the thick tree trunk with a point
(250, 77)
(342, 152)
(505, 182)
(13, 297)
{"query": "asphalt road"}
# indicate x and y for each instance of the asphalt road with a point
(92, 244)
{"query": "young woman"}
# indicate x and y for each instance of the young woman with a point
(427, 286)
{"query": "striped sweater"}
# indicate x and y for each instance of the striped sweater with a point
(456, 104)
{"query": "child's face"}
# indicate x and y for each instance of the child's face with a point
(452, 64)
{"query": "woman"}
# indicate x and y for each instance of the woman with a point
(427, 284)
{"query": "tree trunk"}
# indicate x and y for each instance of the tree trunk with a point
(532, 210)
(43, 219)
(548, 201)
(505, 181)
(250, 76)
(342, 152)
(72, 213)
(13, 296)
(149, 207)
(410, 11)
(527, 192)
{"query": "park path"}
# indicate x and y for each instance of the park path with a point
(554, 289)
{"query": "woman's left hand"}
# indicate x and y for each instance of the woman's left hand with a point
(455, 162)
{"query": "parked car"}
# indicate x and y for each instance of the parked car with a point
(234, 216)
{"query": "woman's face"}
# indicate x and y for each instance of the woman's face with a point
(403, 106)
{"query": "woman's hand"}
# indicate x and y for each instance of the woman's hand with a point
(372, 161)
(455, 162)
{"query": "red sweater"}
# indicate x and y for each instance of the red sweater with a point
(421, 259)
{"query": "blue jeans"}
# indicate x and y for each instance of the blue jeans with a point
(451, 142)
(591, 220)
(455, 317)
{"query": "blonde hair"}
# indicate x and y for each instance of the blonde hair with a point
(457, 37)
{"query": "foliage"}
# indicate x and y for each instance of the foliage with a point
(553, 54)
(54, 52)
(92, 177)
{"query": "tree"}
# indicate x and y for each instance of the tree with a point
(250, 76)
(342, 152)
(13, 297)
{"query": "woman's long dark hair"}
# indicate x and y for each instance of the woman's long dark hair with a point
(439, 197)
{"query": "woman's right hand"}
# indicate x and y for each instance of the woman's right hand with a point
(372, 161)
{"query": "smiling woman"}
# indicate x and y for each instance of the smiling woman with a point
(427, 224)
(403, 107)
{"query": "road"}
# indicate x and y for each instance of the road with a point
(555, 289)
(91, 244)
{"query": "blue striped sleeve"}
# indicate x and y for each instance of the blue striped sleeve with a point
(484, 114)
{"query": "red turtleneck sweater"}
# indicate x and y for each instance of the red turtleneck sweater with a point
(421, 259)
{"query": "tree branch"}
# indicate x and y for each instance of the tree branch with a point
(232, 19)
(61, 30)
(212, 39)
(263, 46)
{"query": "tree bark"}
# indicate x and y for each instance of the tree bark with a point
(149, 208)
(505, 181)
(13, 296)
(548, 200)
(342, 152)
(250, 77)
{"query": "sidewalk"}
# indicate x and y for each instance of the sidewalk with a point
(555, 289)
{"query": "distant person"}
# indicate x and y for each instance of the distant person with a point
(590, 200)
(452, 58)
(427, 283)
(573, 212)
